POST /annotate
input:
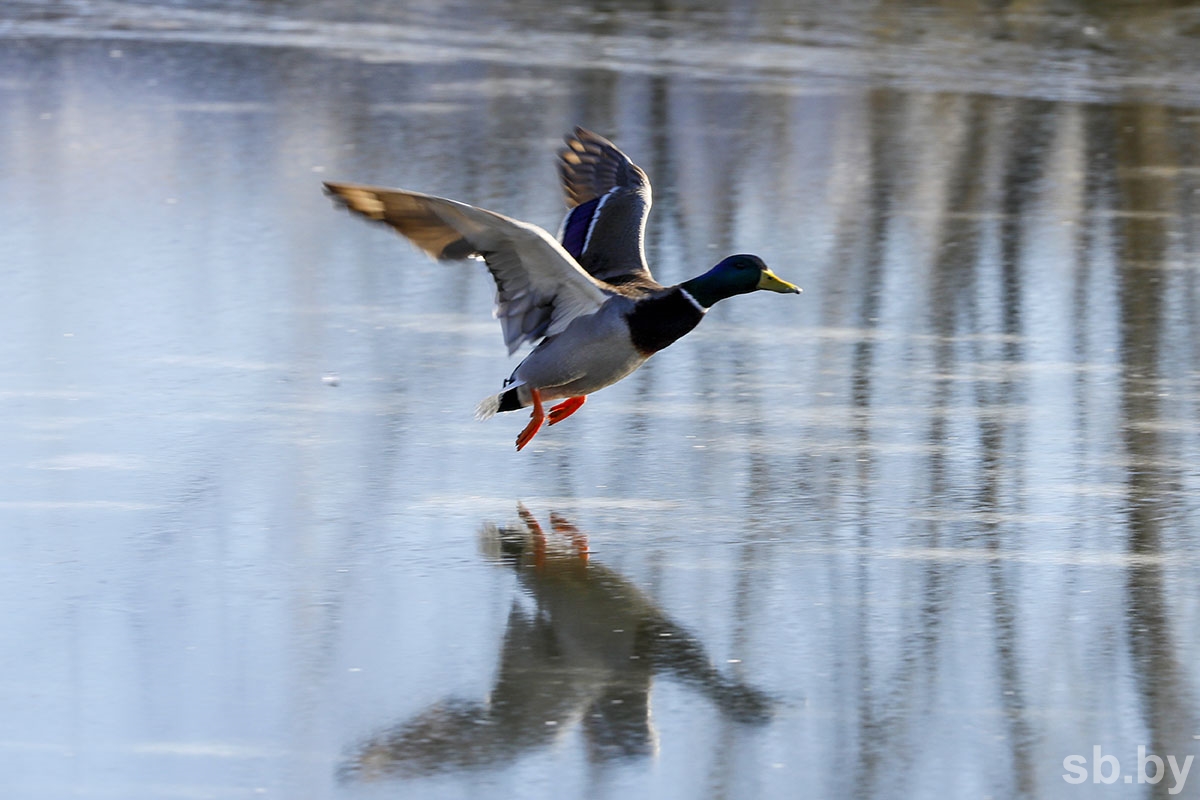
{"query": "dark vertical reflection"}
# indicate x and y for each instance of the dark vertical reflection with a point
(876, 723)
(1024, 164)
(953, 284)
(1146, 213)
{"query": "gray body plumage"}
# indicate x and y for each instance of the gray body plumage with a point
(593, 352)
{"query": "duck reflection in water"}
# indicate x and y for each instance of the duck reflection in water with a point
(588, 653)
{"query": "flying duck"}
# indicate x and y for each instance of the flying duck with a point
(587, 300)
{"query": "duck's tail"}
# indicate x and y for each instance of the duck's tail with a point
(508, 400)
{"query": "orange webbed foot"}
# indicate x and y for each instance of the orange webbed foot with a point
(535, 531)
(564, 527)
(535, 421)
(566, 408)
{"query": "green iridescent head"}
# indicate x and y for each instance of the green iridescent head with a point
(738, 274)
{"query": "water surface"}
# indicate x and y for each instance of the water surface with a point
(926, 530)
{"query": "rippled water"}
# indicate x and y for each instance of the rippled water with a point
(926, 530)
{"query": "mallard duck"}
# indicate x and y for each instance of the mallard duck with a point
(587, 301)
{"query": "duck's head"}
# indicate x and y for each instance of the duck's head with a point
(738, 274)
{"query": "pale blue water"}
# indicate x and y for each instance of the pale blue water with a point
(926, 530)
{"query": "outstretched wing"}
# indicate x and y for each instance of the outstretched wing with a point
(539, 286)
(609, 197)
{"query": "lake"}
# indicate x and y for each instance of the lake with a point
(929, 529)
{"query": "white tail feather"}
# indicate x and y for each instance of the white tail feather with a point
(488, 407)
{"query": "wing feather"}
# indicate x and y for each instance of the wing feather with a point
(540, 288)
(609, 197)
